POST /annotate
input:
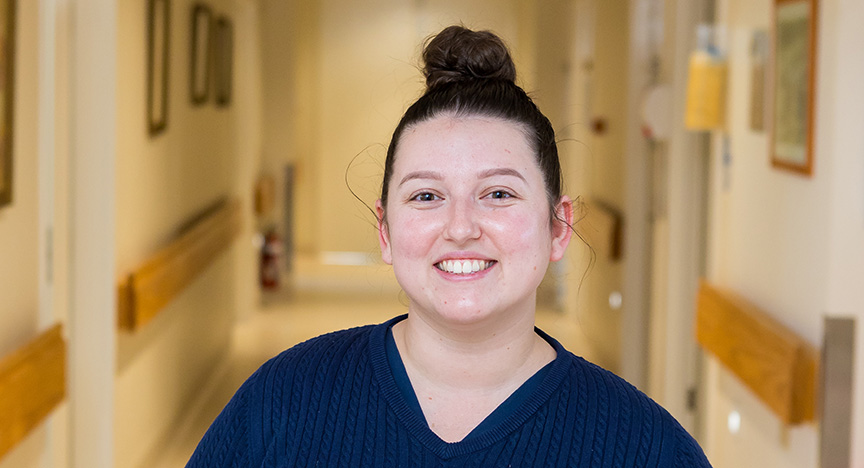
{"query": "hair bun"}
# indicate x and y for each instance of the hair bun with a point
(460, 54)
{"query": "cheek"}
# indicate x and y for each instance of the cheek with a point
(522, 232)
(411, 237)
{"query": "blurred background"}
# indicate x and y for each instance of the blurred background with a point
(176, 187)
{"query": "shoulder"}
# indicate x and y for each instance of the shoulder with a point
(320, 350)
(264, 404)
(306, 366)
(279, 392)
(599, 382)
(601, 391)
(630, 421)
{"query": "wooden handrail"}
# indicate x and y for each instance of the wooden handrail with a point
(775, 363)
(32, 383)
(145, 291)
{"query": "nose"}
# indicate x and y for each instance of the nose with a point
(462, 222)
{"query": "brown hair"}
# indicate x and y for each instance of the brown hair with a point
(471, 73)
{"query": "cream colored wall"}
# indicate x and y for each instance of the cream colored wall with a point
(609, 101)
(843, 98)
(790, 244)
(205, 154)
(368, 79)
(580, 74)
(290, 46)
(603, 172)
(19, 269)
(548, 43)
(335, 87)
(19, 221)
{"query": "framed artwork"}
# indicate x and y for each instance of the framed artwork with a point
(7, 95)
(199, 82)
(158, 33)
(224, 58)
(795, 35)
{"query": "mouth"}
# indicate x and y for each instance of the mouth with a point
(464, 267)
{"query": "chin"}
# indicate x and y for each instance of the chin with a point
(464, 317)
(467, 314)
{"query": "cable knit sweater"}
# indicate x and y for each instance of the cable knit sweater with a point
(333, 401)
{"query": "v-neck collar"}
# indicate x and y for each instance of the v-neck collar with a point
(417, 425)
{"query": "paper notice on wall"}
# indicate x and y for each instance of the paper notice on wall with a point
(706, 92)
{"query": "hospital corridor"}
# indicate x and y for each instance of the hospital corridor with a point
(188, 188)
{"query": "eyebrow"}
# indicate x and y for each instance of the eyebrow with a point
(506, 171)
(496, 171)
(421, 175)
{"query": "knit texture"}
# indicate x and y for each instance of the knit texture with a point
(333, 402)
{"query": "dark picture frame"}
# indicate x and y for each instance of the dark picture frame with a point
(201, 54)
(223, 60)
(158, 47)
(7, 97)
(795, 33)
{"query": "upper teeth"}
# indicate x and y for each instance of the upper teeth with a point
(463, 267)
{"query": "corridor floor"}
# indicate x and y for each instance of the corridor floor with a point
(286, 319)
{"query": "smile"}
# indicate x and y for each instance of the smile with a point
(464, 267)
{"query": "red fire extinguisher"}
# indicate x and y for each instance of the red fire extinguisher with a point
(271, 251)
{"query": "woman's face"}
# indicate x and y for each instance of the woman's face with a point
(468, 227)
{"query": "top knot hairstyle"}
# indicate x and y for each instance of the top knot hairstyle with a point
(471, 73)
(459, 54)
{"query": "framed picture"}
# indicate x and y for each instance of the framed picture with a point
(224, 58)
(7, 96)
(795, 32)
(158, 34)
(199, 81)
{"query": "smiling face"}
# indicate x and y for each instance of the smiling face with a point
(467, 226)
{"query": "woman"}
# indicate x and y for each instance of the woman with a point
(471, 213)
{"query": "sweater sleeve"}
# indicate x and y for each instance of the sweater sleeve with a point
(228, 443)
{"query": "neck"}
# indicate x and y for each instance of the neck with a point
(471, 358)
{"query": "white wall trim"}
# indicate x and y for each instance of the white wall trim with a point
(637, 229)
(46, 155)
(685, 194)
(92, 318)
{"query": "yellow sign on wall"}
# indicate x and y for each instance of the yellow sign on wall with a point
(706, 92)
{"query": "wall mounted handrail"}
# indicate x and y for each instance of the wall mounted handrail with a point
(151, 286)
(776, 364)
(32, 384)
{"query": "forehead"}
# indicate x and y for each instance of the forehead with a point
(463, 143)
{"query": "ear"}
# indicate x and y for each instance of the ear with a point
(383, 235)
(561, 228)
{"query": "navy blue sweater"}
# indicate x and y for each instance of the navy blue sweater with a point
(334, 401)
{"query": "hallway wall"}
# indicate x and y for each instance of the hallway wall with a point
(290, 87)
(206, 153)
(19, 220)
(788, 243)
(596, 169)
(19, 226)
(337, 77)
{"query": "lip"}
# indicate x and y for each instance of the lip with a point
(463, 255)
(463, 277)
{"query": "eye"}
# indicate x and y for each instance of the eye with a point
(425, 197)
(499, 194)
